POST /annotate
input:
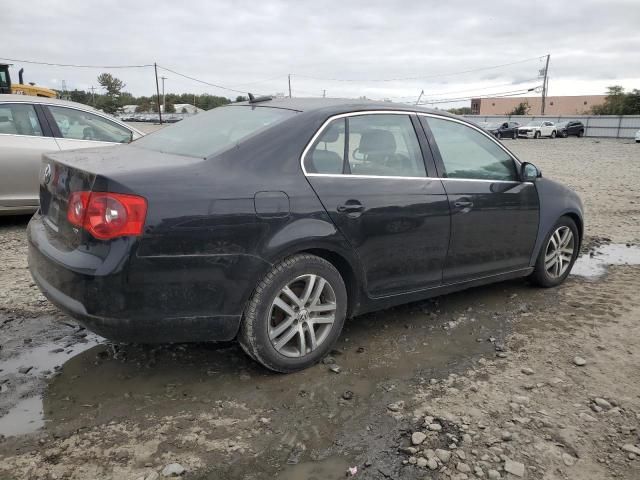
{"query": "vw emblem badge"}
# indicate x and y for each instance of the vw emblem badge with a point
(46, 176)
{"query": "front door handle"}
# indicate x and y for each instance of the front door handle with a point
(463, 204)
(351, 206)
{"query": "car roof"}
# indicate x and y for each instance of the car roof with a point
(338, 105)
(47, 100)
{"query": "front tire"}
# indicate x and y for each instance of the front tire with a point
(499, 136)
(557, 255)
(515, 135)
(537, 135)
(553, 134)
(581, 133)
(295, 314)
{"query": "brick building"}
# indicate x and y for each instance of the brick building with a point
(566, 105)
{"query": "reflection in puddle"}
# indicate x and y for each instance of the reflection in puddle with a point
(24, 417)
(329, 469)
(595, 264)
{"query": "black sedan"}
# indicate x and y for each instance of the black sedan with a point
(573, 127)
(504, 130)
(273, 221)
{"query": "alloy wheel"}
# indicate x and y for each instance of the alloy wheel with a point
(302, 315)
(559, 252)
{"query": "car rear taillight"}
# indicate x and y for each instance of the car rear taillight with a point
(107, 215)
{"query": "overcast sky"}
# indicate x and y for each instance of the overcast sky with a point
(253, 45)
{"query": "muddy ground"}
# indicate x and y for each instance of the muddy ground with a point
(479, 384)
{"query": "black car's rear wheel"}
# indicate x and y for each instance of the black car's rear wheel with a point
(558, 254)
(295, 315)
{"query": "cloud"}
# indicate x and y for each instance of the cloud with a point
(240, 42)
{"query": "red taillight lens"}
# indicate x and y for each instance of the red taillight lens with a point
(107, 215)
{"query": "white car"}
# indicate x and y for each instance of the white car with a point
(538, 129)
(31, 126)
(638, 136)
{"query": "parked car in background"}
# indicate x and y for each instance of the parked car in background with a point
(31, 126)
(572, 127)
(504, 130)
(272, 221)
(638, 136)
(537, 129)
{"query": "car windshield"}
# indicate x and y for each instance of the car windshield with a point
(207, 133)
(534, 124)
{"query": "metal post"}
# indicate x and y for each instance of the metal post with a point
(289, 76)
(544, 85)
(155, 67)
(619, 125)
(419, 97)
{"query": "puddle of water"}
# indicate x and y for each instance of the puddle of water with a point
(47, 356)
(593, 266)
(26, 416)
(333, 468)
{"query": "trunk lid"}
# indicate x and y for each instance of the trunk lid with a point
(104, 169)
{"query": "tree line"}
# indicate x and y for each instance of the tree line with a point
(114, 98)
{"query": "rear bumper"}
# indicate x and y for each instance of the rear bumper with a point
(526, 134)
(149, 299)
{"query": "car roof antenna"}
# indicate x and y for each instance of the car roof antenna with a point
(264, 98)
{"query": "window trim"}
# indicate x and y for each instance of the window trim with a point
(44, 126)
(388, 177)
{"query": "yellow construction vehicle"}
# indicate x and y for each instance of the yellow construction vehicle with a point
(21, 88)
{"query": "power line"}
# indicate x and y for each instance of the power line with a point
(418, 77)
(202, 81)
(467, 90)
(74, 65)
(513, 93)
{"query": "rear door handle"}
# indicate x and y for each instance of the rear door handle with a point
(350, 206)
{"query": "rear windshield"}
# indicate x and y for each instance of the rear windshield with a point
(207, 133)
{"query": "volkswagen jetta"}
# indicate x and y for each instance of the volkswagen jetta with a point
(273, 221)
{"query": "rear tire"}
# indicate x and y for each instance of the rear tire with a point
(581, 133)
(499, 136)
(295, 315)
(536, 135)
(515, 135)
(553, 134)
(557, 255)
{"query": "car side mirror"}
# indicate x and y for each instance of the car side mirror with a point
(529, 172)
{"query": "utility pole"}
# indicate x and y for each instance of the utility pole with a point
(155, 67)
(93, 95)
(164, 103)
(289, 76)
(544, 85)
(324, 94)
(419, 97)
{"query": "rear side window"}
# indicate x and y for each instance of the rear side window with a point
(373, 144)
(19, 119)
(467, 153)
(214, 131)
(80, 125)
(327, 153)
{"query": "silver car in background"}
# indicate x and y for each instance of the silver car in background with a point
(31, 126)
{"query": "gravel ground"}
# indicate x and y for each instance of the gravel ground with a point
(504, 381)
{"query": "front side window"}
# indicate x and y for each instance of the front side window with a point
(19, 119)
(384, 145)
(80, 125)
(212, 132)
(467, 153)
